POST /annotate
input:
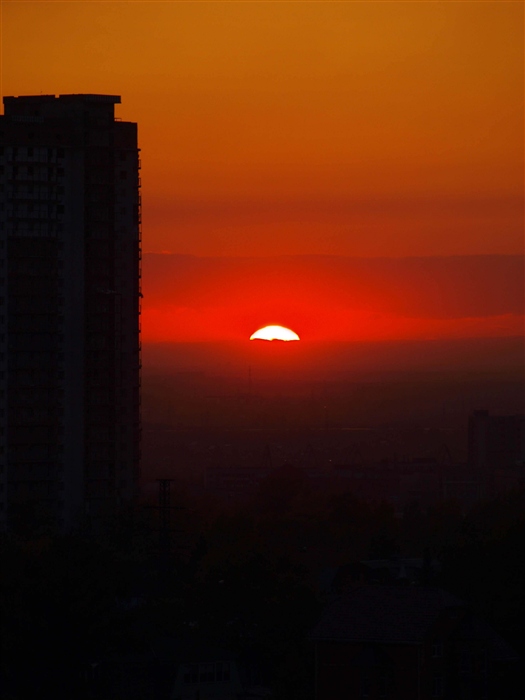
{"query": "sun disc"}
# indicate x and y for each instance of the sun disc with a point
(274, 333)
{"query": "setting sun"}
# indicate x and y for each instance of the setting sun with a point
(274, 333)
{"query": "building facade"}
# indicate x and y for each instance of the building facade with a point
(496, 451)
(69, 310)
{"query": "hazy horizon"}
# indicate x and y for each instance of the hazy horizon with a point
(338, 359)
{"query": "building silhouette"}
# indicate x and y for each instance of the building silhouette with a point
(496, 451)
(69, 310)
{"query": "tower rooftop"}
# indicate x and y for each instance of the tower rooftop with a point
(78, 97)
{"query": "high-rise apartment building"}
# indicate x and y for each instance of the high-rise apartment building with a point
(69, 310)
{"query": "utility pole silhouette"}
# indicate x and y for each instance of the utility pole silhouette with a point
(164, 516)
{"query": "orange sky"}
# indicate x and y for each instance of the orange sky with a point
(376, 128)
(368, 129)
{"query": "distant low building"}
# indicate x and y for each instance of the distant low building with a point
(210, 674)
(398, 481)
(232, 481)
(385, 571)
(173, 669)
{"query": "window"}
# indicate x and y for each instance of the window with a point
(437, 650)
(365, 685)
(206, 674)
(385, 684)
(437, 686)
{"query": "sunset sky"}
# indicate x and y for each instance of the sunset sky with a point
(340, 129)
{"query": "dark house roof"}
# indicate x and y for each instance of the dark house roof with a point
(377, 614)
(384, 614)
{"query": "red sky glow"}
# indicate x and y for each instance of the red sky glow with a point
(354, 171)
